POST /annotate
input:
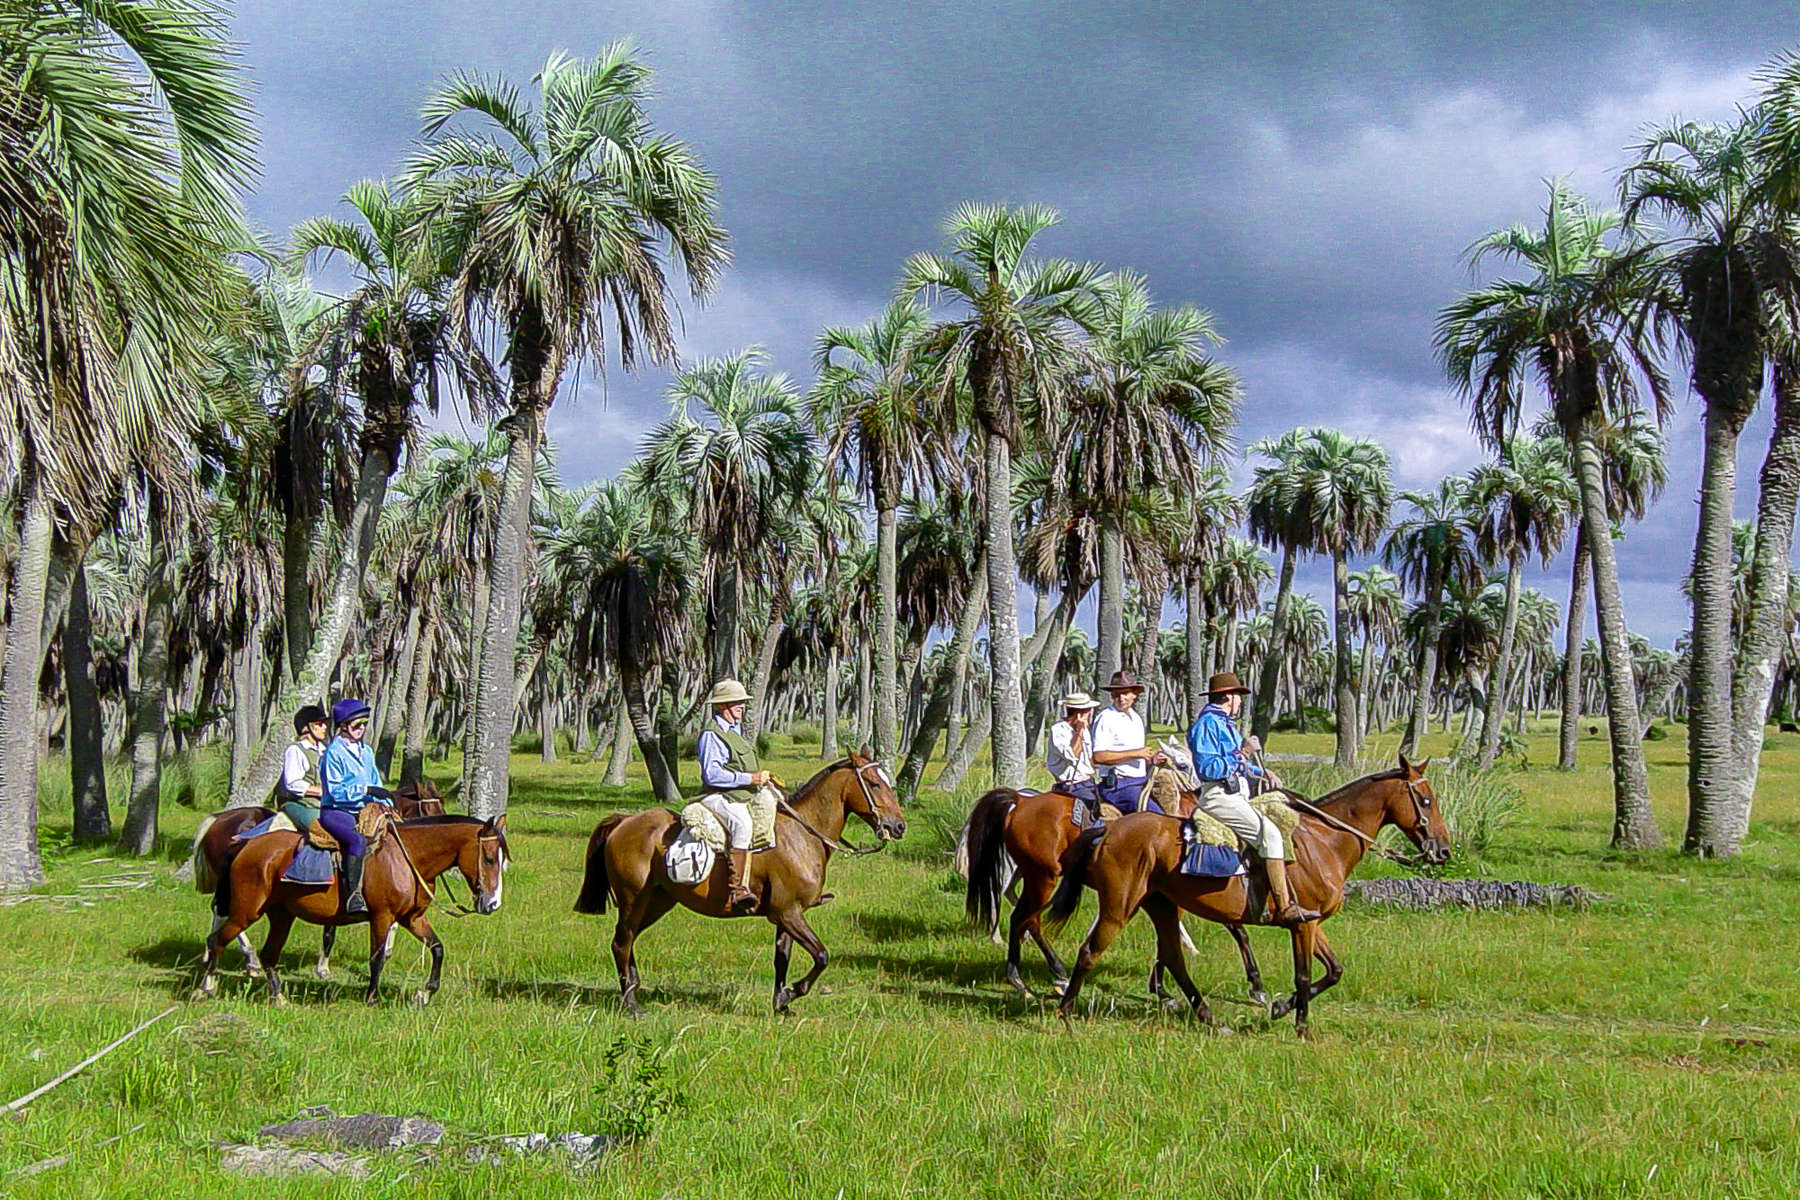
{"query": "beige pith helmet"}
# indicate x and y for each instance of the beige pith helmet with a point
(727, 691)
(1079, 700)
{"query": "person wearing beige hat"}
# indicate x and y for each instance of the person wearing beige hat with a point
(730, 774)
(1070, 755)
(1121, 747)
(1223, 763)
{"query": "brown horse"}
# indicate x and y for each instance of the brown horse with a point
(626, 859)
(1136, 864)
(397, 883)
(1036, 831)
(216, 844)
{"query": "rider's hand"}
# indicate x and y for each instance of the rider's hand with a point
(761, 778)
(1158, 759)
(1253, 744)
(1273, 779)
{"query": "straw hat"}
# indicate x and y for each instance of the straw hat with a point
(727, 691)
(1079, 700)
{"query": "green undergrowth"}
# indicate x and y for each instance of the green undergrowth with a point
(1642, 1046)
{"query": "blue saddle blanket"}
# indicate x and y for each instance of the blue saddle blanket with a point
(312, 867)
(1213, 862)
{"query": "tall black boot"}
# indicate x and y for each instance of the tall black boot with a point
(353, 884)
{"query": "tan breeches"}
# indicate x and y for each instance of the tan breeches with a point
(1232, 810)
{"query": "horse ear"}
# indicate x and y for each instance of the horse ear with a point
(1405, 763)
(499, 823)
(1420, 768)
(865, 753)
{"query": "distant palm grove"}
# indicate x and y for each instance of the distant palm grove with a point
(224, 498)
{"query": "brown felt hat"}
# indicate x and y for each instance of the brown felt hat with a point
(1225, 685)
(1123, 681)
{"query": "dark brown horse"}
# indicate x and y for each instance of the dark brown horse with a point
(1136, 864)
(626, 860)
(397, 883)
(216, 844)
(1036, 832)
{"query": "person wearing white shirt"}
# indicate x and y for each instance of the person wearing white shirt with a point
(300, 785)
(1070, 755)
(1121, 747)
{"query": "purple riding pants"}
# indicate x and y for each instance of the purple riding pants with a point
(342, 826)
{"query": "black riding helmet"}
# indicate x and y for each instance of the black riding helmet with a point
(306, 716)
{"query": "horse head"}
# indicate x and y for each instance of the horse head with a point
(874, 798)
(483, 864)
(1414, 808)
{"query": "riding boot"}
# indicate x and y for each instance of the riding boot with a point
(738, 898)
(353, 884)
(1281, 896)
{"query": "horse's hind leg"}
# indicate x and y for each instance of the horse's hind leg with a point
(280, 923)
(794, 925)
(322, 968)
(1106, 927)
(1334, 970)
(1303, 952)
(1026, 918)
(1167, 919)
(1252, 974)
(633, 917)
(381, 940)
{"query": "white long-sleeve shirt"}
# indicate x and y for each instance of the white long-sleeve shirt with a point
(1065, 765)
(1115, 729)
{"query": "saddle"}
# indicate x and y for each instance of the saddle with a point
(699, 820)
(1201, 829)
(373, 822)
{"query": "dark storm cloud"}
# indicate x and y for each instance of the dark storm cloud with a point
(1309, 173)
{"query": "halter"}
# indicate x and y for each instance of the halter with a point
(455, 908)
(835, 843)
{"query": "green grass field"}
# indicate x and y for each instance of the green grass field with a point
(1643, 1047)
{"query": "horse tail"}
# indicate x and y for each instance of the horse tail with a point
(987, 862)
(205, 881)
(1067, 897)
(594, 885)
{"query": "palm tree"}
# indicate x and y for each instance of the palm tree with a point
(1014, 349)
(554, 217)
(1272, 524)
(1376, 606)
(1525, 498)
(120, 200)
(1204, 523)
(1153, 412)
(1432, 550)
(1732, 254)
(883, 419)
(1578, 324)
(1233, 584)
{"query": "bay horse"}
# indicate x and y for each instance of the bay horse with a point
(626, 861)
(397, 884)
(1135, 863)
(1037, 831)
(216, 844)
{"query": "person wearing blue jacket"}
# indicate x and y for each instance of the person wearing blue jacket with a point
(349, 779)
(1225, 769)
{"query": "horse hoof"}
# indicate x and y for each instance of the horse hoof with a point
(1171, 1005)
(322, 973)
(1260, 997)
(372, 999)
(279, 1000)
(783, 998)
(253, 972)
(199, 994)
(421, 998)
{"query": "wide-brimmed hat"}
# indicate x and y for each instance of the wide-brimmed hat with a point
(1226, 684)
(348, 710)
(1079, 700)
(727, 691)
(1123, 681)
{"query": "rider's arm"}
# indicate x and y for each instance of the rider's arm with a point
(1215, 757)
(341, 777)
(293, 774)
(1107, 748)
(1062, 758)
(714, 776)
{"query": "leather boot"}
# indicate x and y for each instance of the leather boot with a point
(353, 884)
(1281, 896)
(738, 898)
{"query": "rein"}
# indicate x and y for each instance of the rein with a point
(455, 908)
(1307, 806)
(834, 843)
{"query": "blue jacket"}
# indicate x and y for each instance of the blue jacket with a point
(346, 773)
(1218, 747)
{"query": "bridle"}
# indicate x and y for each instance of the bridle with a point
(453, 907)
(868, 798)
(1420, 804)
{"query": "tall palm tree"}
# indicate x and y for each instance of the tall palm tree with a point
(1376, 606)
(1525, 499)
(1204, 524)
(1578, 324)
(1272, 524)
(555, 216)
(1233, 584)
(1432, 549)
(1154, 411)
(1729, 255)
(128, 137)
(885, 422)
(1014, 348)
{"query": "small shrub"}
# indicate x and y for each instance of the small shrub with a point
(1656, 733)
(635, 1092)
(764, 743)
(806, 733)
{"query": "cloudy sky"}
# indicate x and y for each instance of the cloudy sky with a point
(1309, 173)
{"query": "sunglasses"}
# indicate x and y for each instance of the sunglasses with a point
(356, 725)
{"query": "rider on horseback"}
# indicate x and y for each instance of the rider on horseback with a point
(1121, 748)
(1224, 768)
(729, 771)
(300, 790)
(350, 780)
(1070, 755)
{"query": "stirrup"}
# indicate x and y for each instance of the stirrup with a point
(1293, 915)
(741, 900)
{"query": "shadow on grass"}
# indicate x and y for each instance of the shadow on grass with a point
(562, 993)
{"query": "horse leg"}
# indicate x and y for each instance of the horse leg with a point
(1303, 951)
(281, 921)
(322, 968)
(1334, 970)
(784, 947)
(1033, 896)
(794, 925)
(632, 916)
(381, 939)
(1167, 920)
(1106, 927)
(207, 985)
(1251, 972)
(420, 928)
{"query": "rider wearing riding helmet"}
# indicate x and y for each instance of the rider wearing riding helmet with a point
(300, 790)
(350, 780)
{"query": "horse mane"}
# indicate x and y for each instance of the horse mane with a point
(453, 819)
(806, 789)
(1336, 792)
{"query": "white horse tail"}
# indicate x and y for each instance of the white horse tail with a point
(205, 881)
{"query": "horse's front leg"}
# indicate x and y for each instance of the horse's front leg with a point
(1167, 920)
(322, 968)
(1252, 974)
(381, 940)
(420, 928)
(793, 923)
(281, 922)
(1303, 951)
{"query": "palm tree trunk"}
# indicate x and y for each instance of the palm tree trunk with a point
(1766, 623)
(246, 698)
(1709, 670)
(1270, 675)
(1365, 716)
(398, 693)
(643, 727)
(758, 708)
(1569, 728)
(1044, 653)
(1500, 673)
(828, 720)
(1425, 678)
(1003, 618)
(87, 760)
(622, 731)
(1348, 734)
(547, 727)
(886, 649)
(20, 865)
(1229, 657)
(1196, 646)
(296, 592)
(937, 709)
(862, 693)
(418, 698)
(1150, 617)
(477, 618)
(1109, 655)
(485, 779)
(308, 685)
(1634, 825)
(149, 716)
(722, 636)
(958, 763)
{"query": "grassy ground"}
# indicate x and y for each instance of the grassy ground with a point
(1644, 1047)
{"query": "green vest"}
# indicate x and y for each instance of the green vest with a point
(312, 773)
(741, 758)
